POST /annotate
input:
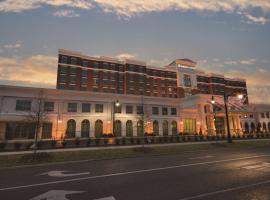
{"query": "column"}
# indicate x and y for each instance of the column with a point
(2, 131)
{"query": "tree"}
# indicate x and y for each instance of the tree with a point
(37, 116)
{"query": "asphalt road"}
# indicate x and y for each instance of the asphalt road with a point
(222, 174)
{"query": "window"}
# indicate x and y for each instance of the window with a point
(262, 115)
(85, 128)
(48, 106)
(155, 127)
(165, 127)
(23, 105)
(129, 109)
(71, 128)
(47, 130)
(173, 111)
(139, 110)
(20, 130)
(99, 108)
(85, 63)
(164, 111)
(187, 80)
(155, 110)
(117, 109)
(129, 128)
(72, 107)
(86, 107)
(267, 115)
(190, 126)
(62, 69)
(73, 70)
(84, 73)
(98, 128)
(63, 59)
(74, 61)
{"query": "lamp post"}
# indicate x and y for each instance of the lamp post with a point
(225, 97)
(114, 104)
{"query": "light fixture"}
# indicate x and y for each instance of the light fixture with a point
(240, 96)
(117, 104)
(59, 121)
(213, 100)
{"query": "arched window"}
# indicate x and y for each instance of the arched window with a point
(71, 128)
(155, 127)
(259, 126)
(98, 128)
(174, 127)
(264, 127)
(165, 127)
(117, 128)
(268, 127)
(252, 127)
(129, 128)
(140, 128)
(85, 128)
(246, 127)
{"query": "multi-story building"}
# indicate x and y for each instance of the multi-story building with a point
(195, 81)
(150, 100)
(108, 75)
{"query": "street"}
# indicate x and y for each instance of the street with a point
(222, 174)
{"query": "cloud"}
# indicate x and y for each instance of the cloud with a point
(66, 13)
(129, 8)
(23, 5)
(230, 62)
(255, 20)
(13, 46)
(126, 56)
(30, 71)
(134, 7)
(251, 61)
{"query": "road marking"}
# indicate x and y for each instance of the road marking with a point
(257, 166)
(107, 198)
(201, 157)
(55, 195)
(226, 190)
(48, 164)
(62, 174)
(131, 172)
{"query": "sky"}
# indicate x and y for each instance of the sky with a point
(231, 37)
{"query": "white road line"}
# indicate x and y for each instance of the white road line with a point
(226, 190)
(130, 172)
(257, 166)
(48, 164)
(201, 157)
(107, 198)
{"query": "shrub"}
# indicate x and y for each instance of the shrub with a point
(106, 140)
(64, 143)
(88, 143)
(97, 141)
(2, 146)
(138, 141)
(132, 140)
(17, 145)
(53, 143)
(123, 140)
(77, 141)
(39, 157)
(28, 146)
(39, 144)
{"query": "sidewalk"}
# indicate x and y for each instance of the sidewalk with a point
(124, 147)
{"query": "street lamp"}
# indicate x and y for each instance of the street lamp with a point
(225, 97)
(114, 104)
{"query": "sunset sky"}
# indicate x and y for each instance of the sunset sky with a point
(230, 36)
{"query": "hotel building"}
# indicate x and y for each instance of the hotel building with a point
(98, 96)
